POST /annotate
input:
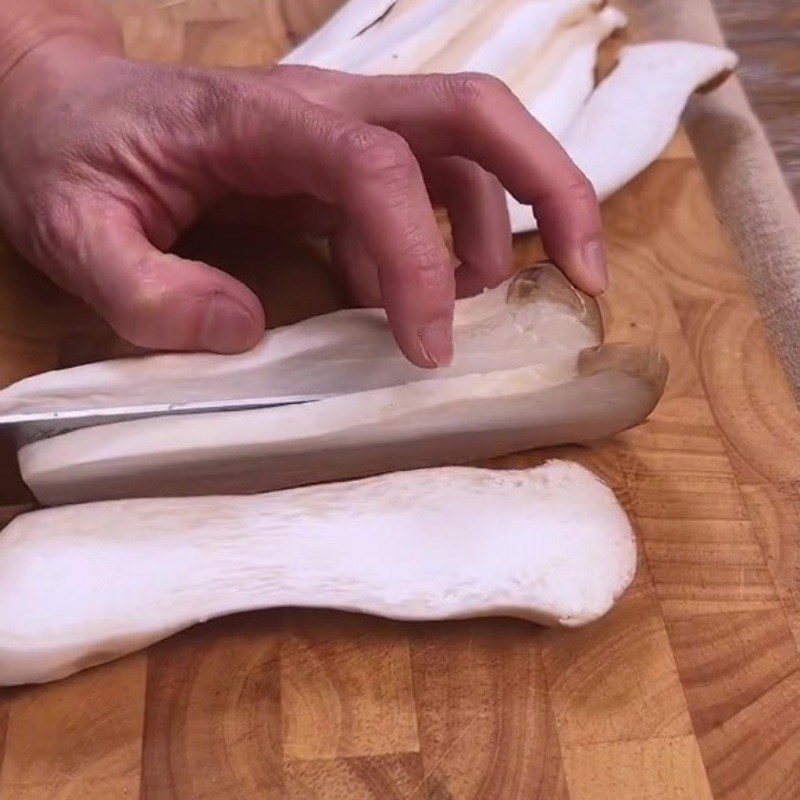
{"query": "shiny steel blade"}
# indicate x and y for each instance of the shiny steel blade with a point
(33, 426)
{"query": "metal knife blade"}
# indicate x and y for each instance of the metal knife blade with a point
(36, 425)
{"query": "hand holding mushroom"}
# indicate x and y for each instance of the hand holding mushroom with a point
(105, 161)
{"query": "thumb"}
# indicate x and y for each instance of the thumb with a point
(164, 302)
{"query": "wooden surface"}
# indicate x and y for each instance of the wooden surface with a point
(766, 34)
(689, 690)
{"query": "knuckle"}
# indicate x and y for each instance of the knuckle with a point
(368, 150)
(581, 189)
(431, 275)
(206, 97)
(475, 90)
(309, 117)
(429, 266)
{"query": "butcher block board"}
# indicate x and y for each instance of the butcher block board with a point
(688, 690)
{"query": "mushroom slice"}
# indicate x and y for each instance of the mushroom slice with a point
(504, 37)
(634, 113)
(562, 80)
(344, 26)
(410, 30)
(81, 585)
(592, 395)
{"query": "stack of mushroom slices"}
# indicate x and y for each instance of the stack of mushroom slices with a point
(546, 51)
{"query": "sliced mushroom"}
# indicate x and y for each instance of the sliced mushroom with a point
(412, 29)
(415, 425)
(507, 36)
(345, 25)
(558, 84)
(82, 585)
(531, 373)
(634, 113)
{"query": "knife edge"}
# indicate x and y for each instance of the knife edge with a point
(36, 425)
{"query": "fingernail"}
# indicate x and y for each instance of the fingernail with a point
(436, 342)
(228, 327)
(596, 264)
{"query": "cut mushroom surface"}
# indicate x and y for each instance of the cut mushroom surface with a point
(591, 396)
(81, 585)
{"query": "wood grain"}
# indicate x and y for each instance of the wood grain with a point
(624, 662)
(334, 663)
(485, 719)
(775, 511)
(655, 769)
(207, 738)
(688, 690)
(81, 738)
(394, 777)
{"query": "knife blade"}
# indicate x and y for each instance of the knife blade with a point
(36, 425)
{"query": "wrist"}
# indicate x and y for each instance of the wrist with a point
(34, 30)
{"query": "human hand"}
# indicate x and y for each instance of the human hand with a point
(105, 161)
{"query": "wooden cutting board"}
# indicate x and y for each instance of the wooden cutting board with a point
(688, 690)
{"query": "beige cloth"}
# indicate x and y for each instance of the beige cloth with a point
(748, 188)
